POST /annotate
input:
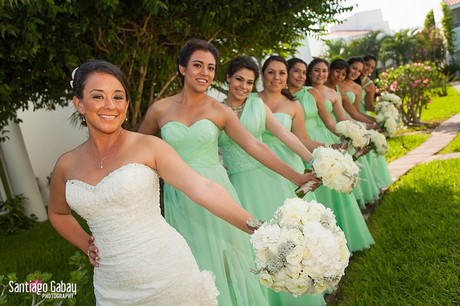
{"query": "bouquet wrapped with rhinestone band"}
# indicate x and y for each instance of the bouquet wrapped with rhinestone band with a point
(300, 250)
(336, 169)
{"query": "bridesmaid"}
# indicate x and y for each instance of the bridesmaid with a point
(351, 86)
(352, 91)
(191, 122)
(345, 206)
(338, 72)
(288, 112)
(366, 191)
(368, 87)
(260, 190)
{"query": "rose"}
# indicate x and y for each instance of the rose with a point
(304, 259)
(299, 286)
(353, 131)
(378, 142)
(266, 279)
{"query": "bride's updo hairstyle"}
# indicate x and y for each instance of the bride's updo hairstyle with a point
(80, 75)
(189, 48)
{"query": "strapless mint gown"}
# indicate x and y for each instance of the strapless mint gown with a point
(260, 190)
(362, 104)
(344, 206)
(378, 164)
(283, 152)
(366, 191)
(216, 245)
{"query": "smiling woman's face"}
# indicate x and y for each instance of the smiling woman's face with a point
(200, 70)
(104, 102)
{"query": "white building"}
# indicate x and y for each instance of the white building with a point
(356, 26)
(454, 6)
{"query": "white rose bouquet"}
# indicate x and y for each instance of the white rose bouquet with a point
(336, 169)
(392, 98)
(388, 116)
(377, 142)
(353, 132)
(300, 250)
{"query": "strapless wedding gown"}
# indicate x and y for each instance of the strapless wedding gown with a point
(143, 260)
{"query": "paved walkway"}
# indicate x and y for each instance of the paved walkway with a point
(439, 138)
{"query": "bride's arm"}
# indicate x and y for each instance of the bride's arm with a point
(201, 190)
(59, 214)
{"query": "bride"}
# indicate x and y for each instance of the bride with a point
(111, 180)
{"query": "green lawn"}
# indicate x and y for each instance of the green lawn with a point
(398, 146)
(442, 107)
(416, 257)
(41, 248)
(454, 146)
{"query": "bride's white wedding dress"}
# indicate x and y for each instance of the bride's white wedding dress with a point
(143, 260)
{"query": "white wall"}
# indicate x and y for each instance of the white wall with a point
(48, 134)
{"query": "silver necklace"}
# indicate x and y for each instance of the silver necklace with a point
(236, 109)
(101, 159)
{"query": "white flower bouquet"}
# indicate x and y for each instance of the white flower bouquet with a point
(353, 132)
(336, 169)
(377, 142)
(392, 98)
(388, 117)
(300, 250)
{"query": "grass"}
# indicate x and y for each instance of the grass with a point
(416, 258)
(452, 147)
(398, 146)
(442, 107)
(437, 111)
(40, 248)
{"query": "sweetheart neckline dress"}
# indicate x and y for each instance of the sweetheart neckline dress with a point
(143, 260)
(217, 246)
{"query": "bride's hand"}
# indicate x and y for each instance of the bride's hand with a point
(92, 252)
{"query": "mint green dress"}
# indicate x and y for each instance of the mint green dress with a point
(366, 191)
(362, 104)
(216, 245)
(378, 164)
(283, 151)
(344, 206)
(260, 190)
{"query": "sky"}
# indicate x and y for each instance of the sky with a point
(400, 14)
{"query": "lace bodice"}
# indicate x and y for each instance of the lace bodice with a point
(253, 119)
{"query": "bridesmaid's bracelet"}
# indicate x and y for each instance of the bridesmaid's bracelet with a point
(254, 223)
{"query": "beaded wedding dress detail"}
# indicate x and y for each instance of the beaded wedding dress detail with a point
(143, 260)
